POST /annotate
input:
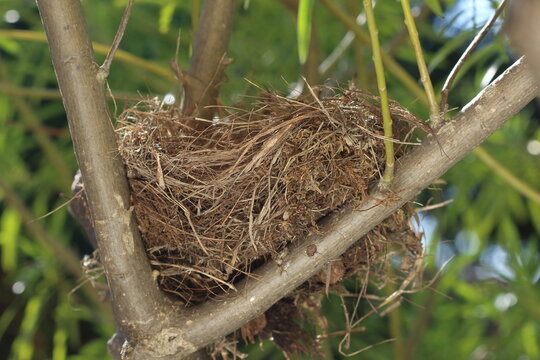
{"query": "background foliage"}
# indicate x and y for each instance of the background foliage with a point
(482, 305)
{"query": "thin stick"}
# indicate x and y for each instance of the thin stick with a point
(472, 46)
(434, 113)
(103, 72)
(388, 175)
(434, 206)
(58, 207)
(364, 349)
(341, 333)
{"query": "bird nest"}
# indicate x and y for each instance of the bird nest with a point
(213, 205)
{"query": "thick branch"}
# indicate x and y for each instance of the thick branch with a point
(135, 294)
(479, 119)
(208, 61)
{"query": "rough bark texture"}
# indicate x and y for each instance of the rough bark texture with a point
(136, 296)
(201, 84)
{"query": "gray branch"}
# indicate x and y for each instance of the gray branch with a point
(137, 300)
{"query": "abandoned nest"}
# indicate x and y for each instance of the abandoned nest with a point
(213, 205)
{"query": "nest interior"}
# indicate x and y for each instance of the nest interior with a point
(212, 205)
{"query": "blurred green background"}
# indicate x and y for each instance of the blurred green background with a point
(482, 249)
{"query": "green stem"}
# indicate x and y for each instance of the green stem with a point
(388, 175)
(420, 61)
(389, 62)
(512, 180)
(399, 39)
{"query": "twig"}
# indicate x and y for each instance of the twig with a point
(434, 113)
(103, 72)
(51, 151)
(341, 333)
(472, 46)
(364, 349)
(434, 206)
(388, 175)
(420, 325)
(336, 53)
(58, 207)
(66, 257)
(394, 317)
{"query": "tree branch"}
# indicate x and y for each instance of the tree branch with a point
(478, 120)
(208, 61)
(136, 296)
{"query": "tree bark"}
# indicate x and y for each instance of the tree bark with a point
(201, 85)
(138, 303)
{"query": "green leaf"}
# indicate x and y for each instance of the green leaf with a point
(529, 339)
(508, 235)
(305, 14)
(534, 208)
(165, 17)
(435, 6)
(60, 344)
(10, 225)
(10, 46)
(23, 346)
